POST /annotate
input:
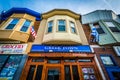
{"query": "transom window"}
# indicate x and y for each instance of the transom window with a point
(50, 25)
(61, 25)
(72, 26)
(112, 27)
(25, 26)
(12, 24)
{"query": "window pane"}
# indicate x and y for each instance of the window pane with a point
(50, 25)
(53, 74)
(12, 24)
(84, 60)
(37, 60)
(39, 72)
(70, 60)
(75, 73)
(88, 73)
(98, 28)
(100, 31)
(67, 72)
(110, 24)
(3, 58)
(116, 75)
(31, 72)
(114, 29)
(107, 60)
(72, 25)
(10, 67)
(25, 26)
(61, 25)
(53, 61)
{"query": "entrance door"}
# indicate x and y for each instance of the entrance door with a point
(53, 74)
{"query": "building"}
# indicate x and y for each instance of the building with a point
(16, 38)
(61, 50)
(102, 28)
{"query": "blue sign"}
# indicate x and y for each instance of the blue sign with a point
(46, 48)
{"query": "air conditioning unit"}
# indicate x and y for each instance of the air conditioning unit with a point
(117, 50)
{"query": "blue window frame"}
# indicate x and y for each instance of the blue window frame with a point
(12, 24)
(72, 26)
(50, 25)
(61, 25)
(114, 73)
(25, 26)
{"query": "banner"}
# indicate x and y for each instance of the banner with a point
(44, 48)
(12, 48)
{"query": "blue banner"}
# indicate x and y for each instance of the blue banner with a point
(45, 48)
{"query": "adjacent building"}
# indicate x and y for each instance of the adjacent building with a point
(16, 38)
(102, 28)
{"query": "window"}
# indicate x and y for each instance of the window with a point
(12, 24)
(98, 28)
(70, 60)
(72, 26)
(53, 61)
(53, 74)
(38, 60)
(31, 72)
(39, 72)
(117, 50)
(112, 27)
(88, 73)
(116, 75)
(10, 67)
(50, 25)
(3, 58)
(25, 26)
(107, 60)
(61, 25)
(75, 72)
(84, 60)
(67, 72)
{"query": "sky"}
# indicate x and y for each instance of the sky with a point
(78, 6)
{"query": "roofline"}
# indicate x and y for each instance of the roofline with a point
(61, 10)
(97, 11)
(13, 10)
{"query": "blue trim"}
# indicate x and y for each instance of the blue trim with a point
(110, 69)
(8, 13)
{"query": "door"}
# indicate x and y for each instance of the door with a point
(53, 73)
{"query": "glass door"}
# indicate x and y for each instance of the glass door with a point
(53, 74)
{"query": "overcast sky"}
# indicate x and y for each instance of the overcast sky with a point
(78, 6)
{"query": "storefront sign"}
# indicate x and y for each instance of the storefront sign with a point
(44, 48)
(12, 48)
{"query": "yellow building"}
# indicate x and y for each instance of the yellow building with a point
(16, 38)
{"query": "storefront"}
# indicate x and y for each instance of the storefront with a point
(12, 60)
(60, 63)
